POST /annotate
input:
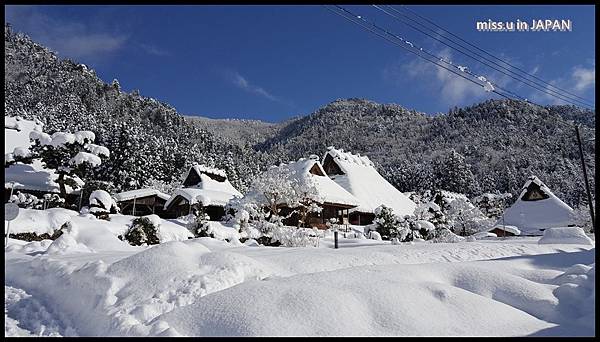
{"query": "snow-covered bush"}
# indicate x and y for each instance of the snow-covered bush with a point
(143, 230)
(198, 223)
(431, 212)
(390, 226)
(445, 235)
(277, 190)
(374, 235)
(53, 201)
(295, 237)
(102, 204)
(25, 200)
(93, 185)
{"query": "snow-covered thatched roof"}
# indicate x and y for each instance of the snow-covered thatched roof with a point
(199, 169)
(208, 191)
(331, 192)
(360, 178)
(139, 193)
(537, 208)
(31, 176)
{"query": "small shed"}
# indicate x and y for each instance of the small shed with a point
(503, 230)
(142, 202)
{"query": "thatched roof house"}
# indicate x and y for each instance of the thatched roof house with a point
(357, 175)
(536, 209)
(203, 186)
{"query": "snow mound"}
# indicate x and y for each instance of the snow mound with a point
(574, 235)
(67, 243)
(40, 221)
(101, 199)
(369, 303)
(576, 294)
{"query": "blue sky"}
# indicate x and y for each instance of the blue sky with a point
(274, 62)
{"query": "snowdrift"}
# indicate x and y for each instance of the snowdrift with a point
(573, 235)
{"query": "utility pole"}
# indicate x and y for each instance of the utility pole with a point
(585, 179)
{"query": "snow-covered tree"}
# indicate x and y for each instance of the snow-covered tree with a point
(466, 219)
(69, 154)
(387, 222)
(492, 205)
(279, 188)
(198, 222)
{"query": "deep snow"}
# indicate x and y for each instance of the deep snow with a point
(206, 287)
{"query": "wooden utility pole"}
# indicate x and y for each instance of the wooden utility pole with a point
(585, 179)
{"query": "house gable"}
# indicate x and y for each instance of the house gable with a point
(534, 193)
(193, 178)
(331, 167)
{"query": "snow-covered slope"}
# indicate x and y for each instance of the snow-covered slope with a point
(206, 287)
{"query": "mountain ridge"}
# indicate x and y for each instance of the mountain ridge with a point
(492, 146)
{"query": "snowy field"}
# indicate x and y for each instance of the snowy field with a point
(90, 283)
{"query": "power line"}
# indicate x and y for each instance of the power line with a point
(533, 84)
(548, 84)
(351, 17)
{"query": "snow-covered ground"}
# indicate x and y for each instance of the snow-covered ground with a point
(93, 284)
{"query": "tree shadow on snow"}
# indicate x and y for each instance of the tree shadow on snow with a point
(564, 331)
(559, 260)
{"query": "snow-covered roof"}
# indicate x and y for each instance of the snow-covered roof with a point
(139, 193)
(362, 180)
(206, 197)
(329, 190)
(534, 215)
(32, 176)
(200, 169)
(212, 191)
(511, 229)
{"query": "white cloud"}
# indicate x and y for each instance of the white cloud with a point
(578, 81)
(68, 38)
(154, 50)
(449, 88)
(583, 77)
(242, 83)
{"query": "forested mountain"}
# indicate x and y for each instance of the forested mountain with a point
(492, 146)
(488, 147)
(241, 131)
(149, 141)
